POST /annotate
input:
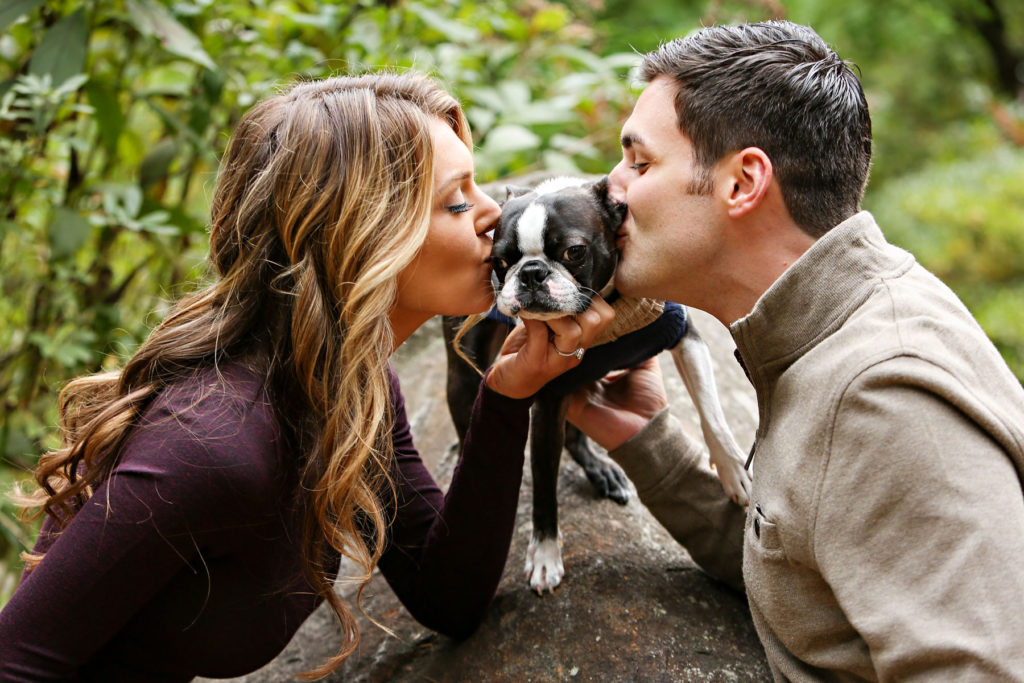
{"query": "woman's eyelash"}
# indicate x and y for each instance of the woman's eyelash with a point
(639, 165)
(459, 208)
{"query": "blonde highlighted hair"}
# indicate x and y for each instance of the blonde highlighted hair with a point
(323, 198)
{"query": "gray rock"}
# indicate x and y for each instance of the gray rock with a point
(632, 606)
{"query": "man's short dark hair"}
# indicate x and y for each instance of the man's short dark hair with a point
(777, 86)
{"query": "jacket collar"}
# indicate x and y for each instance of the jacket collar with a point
(815, 296)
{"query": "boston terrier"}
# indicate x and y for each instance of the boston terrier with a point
(554, 248)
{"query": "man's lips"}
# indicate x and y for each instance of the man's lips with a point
(622, 234)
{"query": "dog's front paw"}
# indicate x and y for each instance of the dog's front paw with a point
(608, 480)
(735, 480)
(544, 563)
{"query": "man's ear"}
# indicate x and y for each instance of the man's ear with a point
(746, 177)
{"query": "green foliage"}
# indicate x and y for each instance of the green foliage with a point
(113, 114)
(14, 536)
(117, 113)
(929, 72)
(964, 221)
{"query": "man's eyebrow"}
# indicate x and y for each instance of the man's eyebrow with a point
(630, 139)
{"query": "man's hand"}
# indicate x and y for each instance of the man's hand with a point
(611, 411)
(534, 353)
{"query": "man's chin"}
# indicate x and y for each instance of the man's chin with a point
(626, 284)
(636, 286)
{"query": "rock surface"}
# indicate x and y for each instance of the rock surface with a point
(632, 606)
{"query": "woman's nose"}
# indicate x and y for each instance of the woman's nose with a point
(488, 213)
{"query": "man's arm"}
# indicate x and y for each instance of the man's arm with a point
(628, 415)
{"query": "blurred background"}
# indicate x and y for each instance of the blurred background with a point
(113, 115)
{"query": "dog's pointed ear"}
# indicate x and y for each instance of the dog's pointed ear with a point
(616, 209)
(513, 191)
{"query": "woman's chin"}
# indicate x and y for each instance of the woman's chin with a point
(478, 305)
(485, 305)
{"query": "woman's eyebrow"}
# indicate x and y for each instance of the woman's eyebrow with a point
(457, 177)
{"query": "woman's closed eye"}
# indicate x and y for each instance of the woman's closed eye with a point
(459, 208)
(639, 166)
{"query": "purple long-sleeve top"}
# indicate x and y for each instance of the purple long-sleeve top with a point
(186, 561)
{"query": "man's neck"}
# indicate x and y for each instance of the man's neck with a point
(771, 250)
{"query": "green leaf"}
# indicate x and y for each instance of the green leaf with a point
(107, 112)
(213, 85)
(509, 138)
(121, 201)
(14, 9)
(61, 52)
(6, 227)
(179, 126)
(446, 26)
(155, 21)
(157, 163)
(68, 345)
(551, 18)
(68, 231)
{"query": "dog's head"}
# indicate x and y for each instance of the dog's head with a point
(554, 247)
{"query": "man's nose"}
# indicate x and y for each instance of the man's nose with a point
(617, 182)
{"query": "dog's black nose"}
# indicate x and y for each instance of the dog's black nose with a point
(534, 273)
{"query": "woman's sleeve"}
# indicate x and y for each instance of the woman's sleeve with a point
(446, 552)
(140, 528)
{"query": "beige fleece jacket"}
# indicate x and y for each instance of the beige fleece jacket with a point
(885, 535)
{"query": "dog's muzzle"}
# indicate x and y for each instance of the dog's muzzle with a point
(533, 274)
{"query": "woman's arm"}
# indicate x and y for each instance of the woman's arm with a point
(447, 551)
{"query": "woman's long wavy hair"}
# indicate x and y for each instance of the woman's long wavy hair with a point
(323, 198)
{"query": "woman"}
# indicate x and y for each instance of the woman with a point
(198, 509)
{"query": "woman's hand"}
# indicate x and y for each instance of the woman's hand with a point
(533, 354)
(611, 411)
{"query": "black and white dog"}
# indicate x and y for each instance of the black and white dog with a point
(554, 248)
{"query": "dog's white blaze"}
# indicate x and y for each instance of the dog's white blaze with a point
(530, 230)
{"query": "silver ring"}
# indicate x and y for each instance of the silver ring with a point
(578, 353)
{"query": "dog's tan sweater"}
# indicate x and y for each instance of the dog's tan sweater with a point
(631, 314)
(885, 535)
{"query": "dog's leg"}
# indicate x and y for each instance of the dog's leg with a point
(481, 343)
(607, 478)
(547, 434)
(693, 360)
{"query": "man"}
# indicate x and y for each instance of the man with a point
(884, 538)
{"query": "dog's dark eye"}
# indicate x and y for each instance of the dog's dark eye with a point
(502, 263)
(575, 253)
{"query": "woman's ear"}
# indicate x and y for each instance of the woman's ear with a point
(747, 175)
